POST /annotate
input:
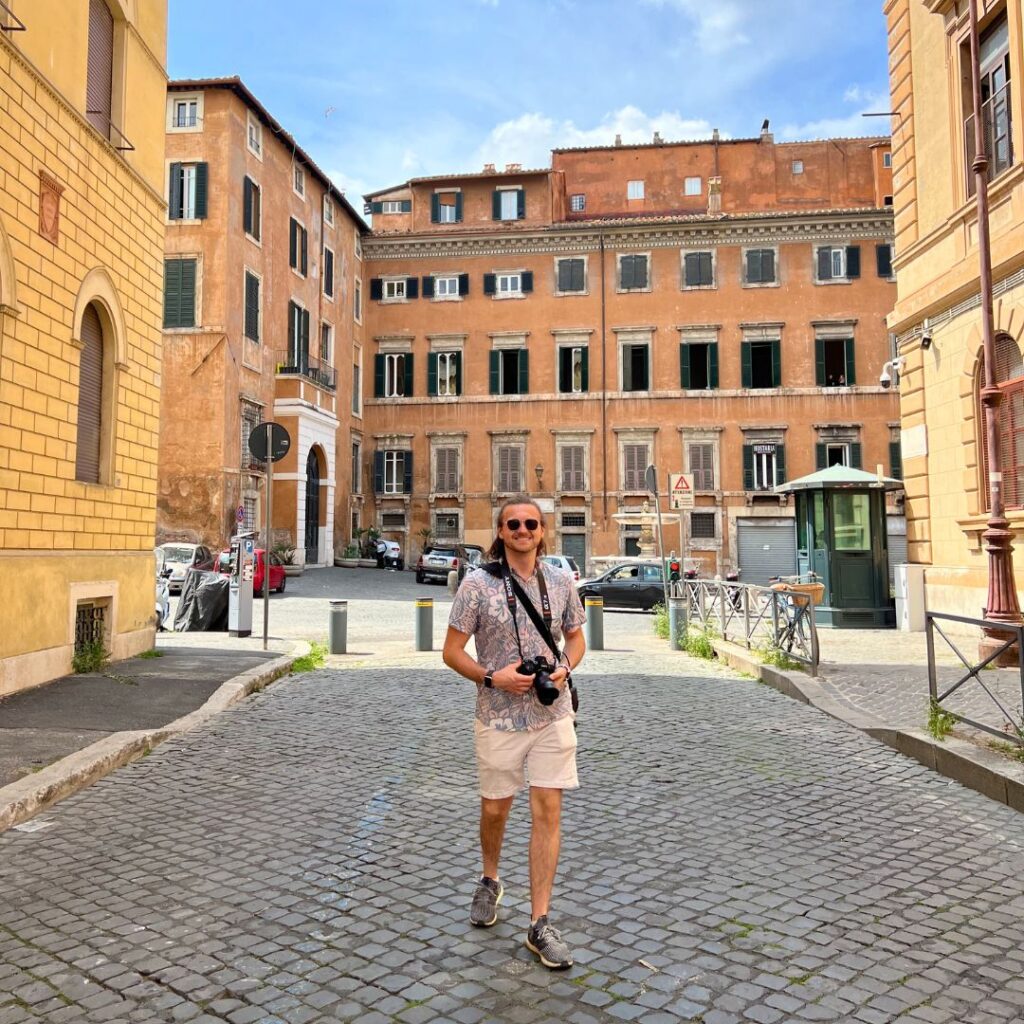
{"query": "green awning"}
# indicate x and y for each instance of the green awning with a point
(841, 478)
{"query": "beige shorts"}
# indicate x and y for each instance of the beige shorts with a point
(548, 756)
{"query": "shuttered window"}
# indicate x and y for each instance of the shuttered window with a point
(298, 237)
(698, 270)
(186, 191)
(572, 275)
(251, 208)
(701, 457)
(634, 457)
(572, 467)
(632, 272)
(510, 469)
(179, 293)
(100, 70)
(1010, 381)
(90, 399)
(328, 273)
(447, 470)
(252, 306)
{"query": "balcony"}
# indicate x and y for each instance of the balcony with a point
(997, 125)
(318, 372)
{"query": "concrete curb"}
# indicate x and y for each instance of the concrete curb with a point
(25, 798)
(972, 766)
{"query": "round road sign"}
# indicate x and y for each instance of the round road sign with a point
(280, 442)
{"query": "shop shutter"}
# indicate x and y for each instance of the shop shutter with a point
(100, 69)
(90, 399)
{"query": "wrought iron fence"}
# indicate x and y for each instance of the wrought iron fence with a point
(1013, 725)
(755, 616)
(318, 372)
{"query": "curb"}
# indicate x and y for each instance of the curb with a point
(979, 769)
(25, 798)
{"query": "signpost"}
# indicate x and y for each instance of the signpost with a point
(651, 481)
(269, 442)
(680, 496)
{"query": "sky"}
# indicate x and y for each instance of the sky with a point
(380, 91)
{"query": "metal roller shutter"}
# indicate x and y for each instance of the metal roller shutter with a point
(767, 548)
(896, 537)
(100, 75)
(90, 399)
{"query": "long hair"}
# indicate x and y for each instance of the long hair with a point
(497, 549)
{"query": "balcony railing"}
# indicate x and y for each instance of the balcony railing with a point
(997, 126)
(319, 373)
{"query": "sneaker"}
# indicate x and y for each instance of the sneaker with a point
(484, 911)
(548, 944)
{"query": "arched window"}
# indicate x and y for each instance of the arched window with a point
(90, 399)
(1010, 381)
(100, 71)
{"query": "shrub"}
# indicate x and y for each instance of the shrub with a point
(309, 662)
(90, 657)
(940, 721)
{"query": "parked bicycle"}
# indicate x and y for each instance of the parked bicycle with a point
(803, 592)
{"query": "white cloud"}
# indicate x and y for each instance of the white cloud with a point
(719, 26)
(848, 125)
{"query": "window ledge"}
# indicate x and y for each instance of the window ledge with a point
(391, 302)
(255, 241)
(693, 288)
(509, 295)
(562, 295)
(447, 298)
(837, 280)
(632, 291)
(762, 284)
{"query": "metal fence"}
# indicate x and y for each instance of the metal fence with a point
(754, 616)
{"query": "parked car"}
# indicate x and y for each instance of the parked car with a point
(564, 562)
(633, 585)
(438, 560)
(278, 578)
(472, 556)
(180, 557)
(389, 555)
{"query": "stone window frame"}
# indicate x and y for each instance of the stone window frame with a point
(299, 180)
(573, 438)
(632, 435)
(691, 249)
(774, 247)
(174, 98)
(447, 439)
(703, 435)
(585, 290)
(446, 275)
(252, 121)
(634, 336)
(402, 279)
(619, 290)
(508, 439)
(764, 435)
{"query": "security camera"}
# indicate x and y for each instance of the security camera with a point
(926, 338)
(891, 373)
(885, 378)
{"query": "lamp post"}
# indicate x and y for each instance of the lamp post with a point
(1001, 605)
(539, 470)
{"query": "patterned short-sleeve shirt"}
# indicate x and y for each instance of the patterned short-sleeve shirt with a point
(481, 610)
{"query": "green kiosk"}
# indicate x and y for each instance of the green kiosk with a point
(841, 537)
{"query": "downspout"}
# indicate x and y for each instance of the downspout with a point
(604, 398)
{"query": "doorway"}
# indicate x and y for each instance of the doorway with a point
(312, 508)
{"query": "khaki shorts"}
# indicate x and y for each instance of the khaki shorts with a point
(548, 756)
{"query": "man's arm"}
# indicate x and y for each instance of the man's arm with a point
(456, 658)
(572, 654)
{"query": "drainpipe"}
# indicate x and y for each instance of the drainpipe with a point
(604, 398)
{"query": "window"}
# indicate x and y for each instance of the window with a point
(760, 363)
(693, 187)
(328, 273)
(357, 386)
(446, 208)
(297, 247)
(393, 373)
(357, 245)
(444, 374)
(326, 343)
(764, 465)
(700, 457)
(887, 160)
(635, 189)
(839, 263)
(446, 287)
(635, 461)
(249, 520)
(573, 369)
(509, 371)
(254, 136)
(633, 273)
(509, 204)
(837, 453)
(759, 266)
(252, 208)
(635, 367)
(395, 206)
(1010, 381)
(394, 466)
(251, 417)
(252, 306)
(357, 468)
(100, 67)
(834, 362)
(510, 468)
(508, 284)
(185, 113)
(90, 399)
(702, 525)
(299, 180)
(883, 260)
(698, 270)
(572, 274)
(896, 457)
(298, 337)
(698, 365)
(180, 292)
(578, 202)
(798, 167)
(446, 470)
(446, 525)
(571, 463)
(395, 289)
(996, 102)
(186, 193)
(574, 520)
(357, 302)
(328, 211)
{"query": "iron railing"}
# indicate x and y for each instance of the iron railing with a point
(318, 372)
(100, 120)
(997, 126)
(1012, 725)
(754, 616)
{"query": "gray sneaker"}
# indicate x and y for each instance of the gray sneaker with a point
(548, 944)
(484, 911)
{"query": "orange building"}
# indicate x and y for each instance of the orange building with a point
(262, 282)
(714, 308)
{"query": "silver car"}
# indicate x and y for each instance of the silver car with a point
(180, 557)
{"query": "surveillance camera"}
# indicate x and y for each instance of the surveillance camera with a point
(885, 378)
(926, 339)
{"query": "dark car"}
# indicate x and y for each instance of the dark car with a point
(634, 585)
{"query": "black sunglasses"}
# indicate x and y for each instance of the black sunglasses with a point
(530, 524)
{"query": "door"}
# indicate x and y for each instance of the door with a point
(574, 546)
(767, 548)
(312, 508)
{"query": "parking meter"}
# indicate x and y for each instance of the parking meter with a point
(243, 566)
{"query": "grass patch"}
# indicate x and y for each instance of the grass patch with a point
(154, 653)
(940, 721)
(776, 657)
(698, 644)
(1011, 750)
(316, 658)
(661, 621)
(91, 657)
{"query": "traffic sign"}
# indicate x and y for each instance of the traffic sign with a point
(280, 442)
(680, 490)
(240, 514)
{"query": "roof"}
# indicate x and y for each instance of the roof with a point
(433, 179)
(237, 86)
(665, 143)
(841, 478)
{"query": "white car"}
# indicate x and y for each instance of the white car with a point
(180, 557)
(564, 562)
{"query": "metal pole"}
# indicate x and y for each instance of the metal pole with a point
(661, 549)
(425, 624)
(266, 543)
(595, 623)
(339, 627)
(677, 623)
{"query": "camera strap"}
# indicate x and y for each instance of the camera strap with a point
(543, 625)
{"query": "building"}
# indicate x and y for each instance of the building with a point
(714, 308)
(261, 318)
(81, 267)
(937, 318)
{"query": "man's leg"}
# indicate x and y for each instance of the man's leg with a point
(545, 840)
(493, 816)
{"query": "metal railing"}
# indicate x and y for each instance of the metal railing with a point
(319, 373)
(755, 616)
(997, 126)
(100, 120)
(1013, 725)
(9, 21)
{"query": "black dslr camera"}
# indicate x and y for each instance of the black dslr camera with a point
(541, 669)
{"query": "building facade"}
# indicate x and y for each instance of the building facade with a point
(937, 317)
(262, 297)
(81, 266)
(715, 309)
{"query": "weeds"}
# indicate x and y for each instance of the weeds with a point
(776, 657)
(90, 657)
(699, 644)
(152, 654)
(1009, 749)
(661, 621)
(310, 662)
(940, 721)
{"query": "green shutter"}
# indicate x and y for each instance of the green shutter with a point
(458, 373)
(407, 473)
(293, 242)
(378, 376)
(524, 372)
(292, 340)
(428, 286)
(406, 205)
(172, 292)
(247, 205)
(684, 367)
(585, 368)
(377, 206)
(745, 371)
(895, 460)
(496, 205)
(201, 190)
(188, 294)
(432, 374)
(825, 264)
(713, 365)
(463, 284)
(855, 455)
(626, 272)
(748, 468)
(304, 238)
(776, 364)
(780, 464)
(376, 288)
(304, 340)
(495, 374)
(820, 456)
(853, 261)
(819, 362)
(174, 193)
(640, 271)
(408, 382)
(378, 471)
(458, 207)
(435, 209)
(564, 275)
(851, 370)
(883, 260)
(564, 370)
(521, 204)
(490, 283)
(526, 282)
(753, 267)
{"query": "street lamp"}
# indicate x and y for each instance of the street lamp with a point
(539, 470)
(1001, 605)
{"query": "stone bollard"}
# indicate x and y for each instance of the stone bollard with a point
(338, 634)
(676, 622)
(453, 581)
(595, 623)
(425, 624)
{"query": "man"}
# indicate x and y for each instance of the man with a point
(517, 735)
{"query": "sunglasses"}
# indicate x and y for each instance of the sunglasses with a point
(530, 524)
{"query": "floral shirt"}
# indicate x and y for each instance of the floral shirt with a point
(481, 610)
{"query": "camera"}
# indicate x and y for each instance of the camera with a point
(891, 373)
(541, 669)
(885, 379)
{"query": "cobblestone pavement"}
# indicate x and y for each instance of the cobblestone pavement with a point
(310, 856)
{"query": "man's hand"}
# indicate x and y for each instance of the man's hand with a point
(558, 677)
(509, 680)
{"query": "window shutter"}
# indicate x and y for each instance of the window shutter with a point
(853, 261)
(408, 382)
(780, 464)
(748, 468)
(895, 460)
(490, 283)
(202, 174)
(293, 243)
(625, 272)
(627, 368)
(495, 371)
(292, 308)
(565, 370)
(825, 264)
(527, 281)
(745, 371)
(458, 207)
(768, 266)
(428, 286)
(252, 307)
(684, 367)
(377, 206)
(640, 271)
(304, 238)
(496, 205)
(463, 284)
(819, 363)
(564, 275)
(713, 365)
(577, 268)
(776, 364)
(706, 269)
(691, 269)
(851, 370)
(407, 475)
(376, 288)
(378, 376)
(328, 272)
(406, 206)
(584, 369)
(524, 371)
(432, 374)
(435, 209)
(187, 306)
(100, 67)
(90, 399)
(174, 203)
(883, 258)
(567, 481)
(458, 372)
(820, 456)
(855, 455)
(378, 470)
(645, 369)
(521, 204)
(412, 287)
(753, 267)
(304, 339)
(247, 205)
(172, 292)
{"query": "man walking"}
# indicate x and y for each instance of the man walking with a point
(516, 734)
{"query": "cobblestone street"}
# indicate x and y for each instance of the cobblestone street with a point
(733, 855)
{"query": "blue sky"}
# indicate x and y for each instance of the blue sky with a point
(378, 91)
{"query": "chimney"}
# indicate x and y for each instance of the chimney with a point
(513, 168)
(715, 137)
(714, 196)
(766, 135)
(488, 168)
(657, 138)
(618, 140)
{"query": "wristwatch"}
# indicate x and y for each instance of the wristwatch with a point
(488, 680)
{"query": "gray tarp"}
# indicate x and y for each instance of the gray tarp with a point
(203, 605)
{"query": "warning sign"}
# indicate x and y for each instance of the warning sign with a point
(680, 490)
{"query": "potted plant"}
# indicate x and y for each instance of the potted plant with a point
(285, 554)
(368, 548)
(349, 559)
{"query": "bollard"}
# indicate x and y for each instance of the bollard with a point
(339, 627)
(595, 623)
(453, 582)
(425, 624)
(676, 622)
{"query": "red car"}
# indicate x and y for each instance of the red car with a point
(277, 574)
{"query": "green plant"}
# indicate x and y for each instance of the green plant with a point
(698, 643)
(661, 621)
(940, 721)
(1009, 749)
(310, 662)
(351, 551)
(154, 653)
(90, 657)
(775, 656)
(285, 553)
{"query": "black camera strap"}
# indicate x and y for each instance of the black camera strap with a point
(543, 625)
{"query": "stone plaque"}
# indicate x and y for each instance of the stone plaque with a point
(50, 191)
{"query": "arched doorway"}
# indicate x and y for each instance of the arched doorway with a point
(312, 508)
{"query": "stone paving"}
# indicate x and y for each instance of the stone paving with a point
(310, 855)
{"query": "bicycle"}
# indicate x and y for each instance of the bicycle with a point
(803, 592)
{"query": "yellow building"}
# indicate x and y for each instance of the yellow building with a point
(937, 320)
(82, 87)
